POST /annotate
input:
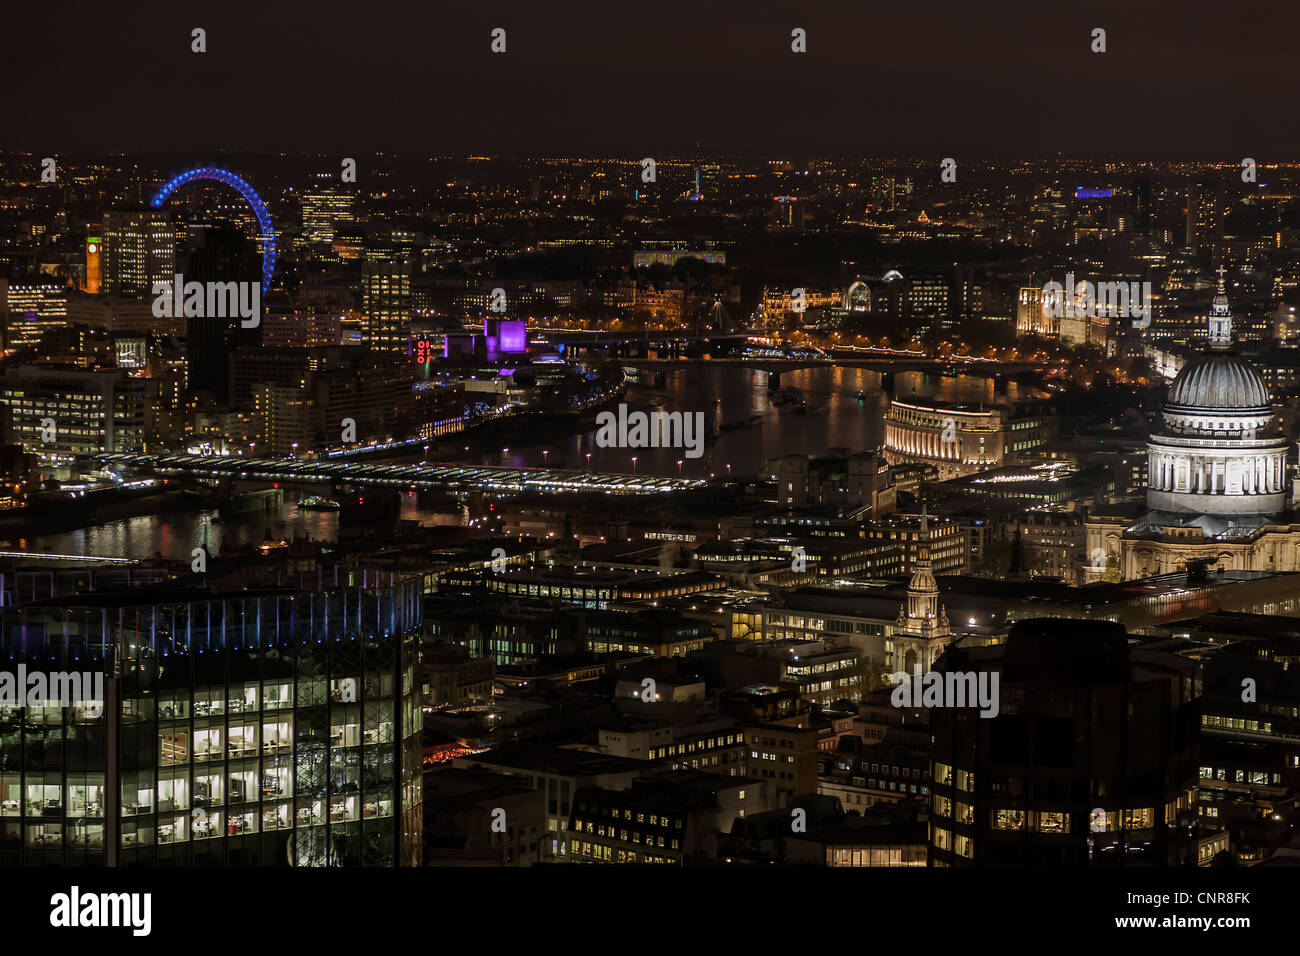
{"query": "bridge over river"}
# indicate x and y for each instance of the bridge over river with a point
(483, 478)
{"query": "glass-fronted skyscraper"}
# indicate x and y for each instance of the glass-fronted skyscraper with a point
(271, 725)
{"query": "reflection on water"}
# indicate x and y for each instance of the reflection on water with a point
(835, 417)
(175, 536)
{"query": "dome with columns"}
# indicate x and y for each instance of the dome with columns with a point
(1212, 384)
(1219, 452)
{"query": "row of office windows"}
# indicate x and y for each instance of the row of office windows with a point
(641, 816)
(1256, 777)
(626, 835)
(1237, 723)
(672, 750)
(595, 852)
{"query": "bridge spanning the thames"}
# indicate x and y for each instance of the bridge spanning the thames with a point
(946, 367)
(484, 478)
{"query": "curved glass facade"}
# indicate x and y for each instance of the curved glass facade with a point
(275, 726)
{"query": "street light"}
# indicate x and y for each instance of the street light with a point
(634, 464)
(545, 452)
(679, 466)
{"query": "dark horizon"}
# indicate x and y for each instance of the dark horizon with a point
(943, 80)
(985, 161)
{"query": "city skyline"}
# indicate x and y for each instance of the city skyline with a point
(704, 441)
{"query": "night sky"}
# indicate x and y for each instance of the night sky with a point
(1190, 79)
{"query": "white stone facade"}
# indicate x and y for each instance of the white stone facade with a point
(1217, 479)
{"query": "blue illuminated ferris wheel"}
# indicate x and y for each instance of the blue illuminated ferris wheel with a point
(249, 194)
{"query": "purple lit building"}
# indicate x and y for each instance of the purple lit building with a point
(504, 337)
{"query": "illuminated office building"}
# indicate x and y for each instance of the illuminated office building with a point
(301, 326)
(324, 210)
(386, 303)
(90, 410)
(138, 250)
(283, 418)
(929, 297)
(255, 723)
(1205, 211)
(31, 311)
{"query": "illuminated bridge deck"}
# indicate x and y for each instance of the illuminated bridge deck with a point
(447, 477)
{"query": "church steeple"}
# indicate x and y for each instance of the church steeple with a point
(1220, 319)
(923, 612)
(922, 629)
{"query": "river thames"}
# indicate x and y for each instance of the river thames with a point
(834, 416)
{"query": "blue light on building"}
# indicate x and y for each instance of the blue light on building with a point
(249, 194)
